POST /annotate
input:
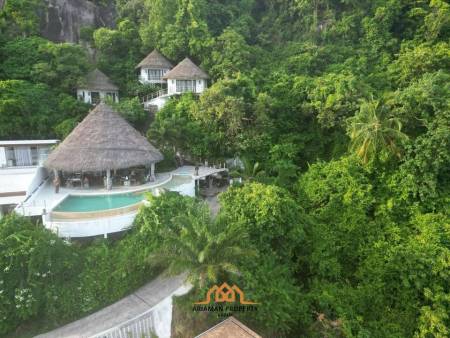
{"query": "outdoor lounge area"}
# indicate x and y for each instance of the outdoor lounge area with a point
(104, 150)
(98, 179)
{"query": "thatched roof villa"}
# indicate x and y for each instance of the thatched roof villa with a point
(95, 87)
(153, 67)
(186, 77)
(186, 70)
(103, 141)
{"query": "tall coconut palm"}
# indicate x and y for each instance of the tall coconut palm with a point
(206, 249)
(372, 132)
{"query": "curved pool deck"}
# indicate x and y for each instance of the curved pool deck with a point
(110, 218)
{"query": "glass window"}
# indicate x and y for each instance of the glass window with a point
(34, 155)
(184, 86)
(155, 74)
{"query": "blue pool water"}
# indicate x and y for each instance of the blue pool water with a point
(86, 203)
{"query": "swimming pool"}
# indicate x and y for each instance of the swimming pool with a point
(183, 184)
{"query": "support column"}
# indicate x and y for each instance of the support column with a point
(152, 172)
(108, 179)
(56, 180)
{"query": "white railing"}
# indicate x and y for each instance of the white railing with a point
(155, 321)
(154, 95)
(33, 208)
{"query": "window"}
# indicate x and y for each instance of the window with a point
(22, 156)
(184, 86)
(43, 152)
(112, 95)
(95, 97)
(34, 155)
(155, 74)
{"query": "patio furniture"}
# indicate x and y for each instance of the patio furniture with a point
(72, 181)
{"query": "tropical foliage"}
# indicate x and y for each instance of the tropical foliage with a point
(343, 105)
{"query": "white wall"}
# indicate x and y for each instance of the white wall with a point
(2, 157)
(187, 189)
(200, 86)
(158, 101)
(87, 228)
(171, 86)
(39, 178)
(143, 76)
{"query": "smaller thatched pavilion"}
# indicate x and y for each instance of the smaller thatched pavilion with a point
(103, 142)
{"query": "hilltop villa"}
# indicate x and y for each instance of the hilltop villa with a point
(184, 77)
(153, 67)
(96, 87)
(94, 182)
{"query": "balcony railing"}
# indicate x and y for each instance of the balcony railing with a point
(153, 95)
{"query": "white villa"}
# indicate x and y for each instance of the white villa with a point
(153, 67)
(94, 182)
(21, 171)
(185, 77)
(96, 87)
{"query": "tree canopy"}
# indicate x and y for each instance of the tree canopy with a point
(340, 114)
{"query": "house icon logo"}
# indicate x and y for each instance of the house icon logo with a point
(225, 294)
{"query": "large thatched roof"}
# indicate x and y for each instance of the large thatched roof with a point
(186, 70)
(96, 80)
(103, 140)
(155, 60)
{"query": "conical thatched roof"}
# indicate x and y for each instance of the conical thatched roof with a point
(103, 140)
(186, 70)
(155, 60)
(96, 80)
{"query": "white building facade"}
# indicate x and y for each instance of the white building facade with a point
(180, 86)
(21, 171)
(96, 88)
(96, 96)
(153, 68)
(186, 77)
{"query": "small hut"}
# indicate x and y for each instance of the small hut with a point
(153, 67)
(103, 143)
(96, 87)
(186, 77)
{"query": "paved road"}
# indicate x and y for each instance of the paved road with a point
(125, 309)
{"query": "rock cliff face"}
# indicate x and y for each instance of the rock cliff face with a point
(62, 20)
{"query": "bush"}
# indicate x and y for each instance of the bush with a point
(45, 278)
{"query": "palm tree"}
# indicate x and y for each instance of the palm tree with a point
(250, 169)
(206, 249)
(372, 132)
